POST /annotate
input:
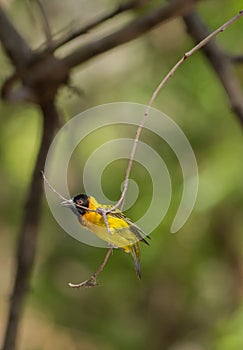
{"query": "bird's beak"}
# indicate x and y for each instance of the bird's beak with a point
(68, 203)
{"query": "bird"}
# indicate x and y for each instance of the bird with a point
(116, 229)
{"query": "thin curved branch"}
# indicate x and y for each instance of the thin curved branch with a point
(92, 281)
(129, 32)
(220, 63)
(28, 234)
(203, 43)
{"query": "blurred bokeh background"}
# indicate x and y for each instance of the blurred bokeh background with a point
(190, 295)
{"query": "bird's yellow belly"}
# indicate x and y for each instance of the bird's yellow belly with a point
(119, 236)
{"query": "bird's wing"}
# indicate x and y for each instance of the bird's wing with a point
(140, 234)
(137, 231)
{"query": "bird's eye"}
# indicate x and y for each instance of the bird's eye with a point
(80, 202)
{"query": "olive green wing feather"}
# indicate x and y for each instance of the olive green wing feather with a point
(138, 232)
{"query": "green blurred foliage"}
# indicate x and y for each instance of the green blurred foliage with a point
(189, 296)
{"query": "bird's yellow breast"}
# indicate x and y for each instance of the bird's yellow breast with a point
(120, 234)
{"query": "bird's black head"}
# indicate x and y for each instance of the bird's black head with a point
(83, 200)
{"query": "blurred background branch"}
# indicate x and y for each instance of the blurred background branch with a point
(129, 32)
(219, 61)
(14, 45)
(46, 25)
(26, 249)
(122, 7)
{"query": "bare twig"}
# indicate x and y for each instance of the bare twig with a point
(68, 200)
(92, 281)
(157, 90)
(220, 62)
(26, 249)
(101, 267)
(130, 31)
(123, 7)
(52, 188)
(202, 43)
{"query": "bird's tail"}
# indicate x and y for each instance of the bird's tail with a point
(135, 251)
